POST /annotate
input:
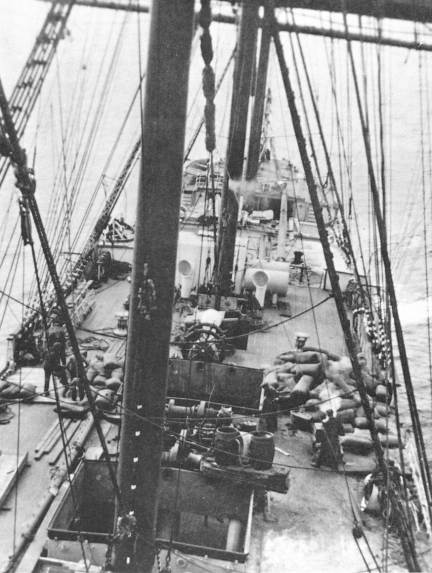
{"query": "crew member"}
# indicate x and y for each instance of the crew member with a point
(72, 367)
(268, 419)
(56, 337)
(328, 449)
(53, 367)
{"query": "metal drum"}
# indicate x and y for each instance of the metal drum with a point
(228, 446)
(261, 450)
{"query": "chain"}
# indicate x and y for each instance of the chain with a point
(208, 75)
(158, 560)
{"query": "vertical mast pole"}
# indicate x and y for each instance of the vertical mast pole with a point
(259, 102)
(153, 276)
(243, 73)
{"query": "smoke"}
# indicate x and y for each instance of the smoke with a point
(245, 189)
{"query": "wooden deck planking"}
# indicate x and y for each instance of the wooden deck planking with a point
(109, 300)
(23, 433)
(321, 324)
(11, 466)
(35, 419)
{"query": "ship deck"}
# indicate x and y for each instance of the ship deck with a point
(306, 530)
(310, 528)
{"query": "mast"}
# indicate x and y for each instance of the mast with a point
(259, 101)
(243, 73)
(152, 290)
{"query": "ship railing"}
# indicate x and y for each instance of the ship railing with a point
(203, 182)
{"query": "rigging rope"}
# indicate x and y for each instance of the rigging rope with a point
(27, 186)
(18, 436)
(426, 478)
(345, 239)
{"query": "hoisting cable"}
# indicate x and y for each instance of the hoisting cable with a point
(27, 185)
(426, 477)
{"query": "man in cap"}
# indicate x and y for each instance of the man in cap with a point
(329, 450)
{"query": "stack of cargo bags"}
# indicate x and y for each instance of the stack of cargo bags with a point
(105, 375)
(317, 381)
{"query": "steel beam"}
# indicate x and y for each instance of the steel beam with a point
(307, 30)
(415, 10)
(152, 291)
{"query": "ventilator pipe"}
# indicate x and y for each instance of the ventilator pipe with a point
(185, 269)
(122, 323)
(240, 209)
(217, 201)
(260, 281)
(277, 280)
(283, 225)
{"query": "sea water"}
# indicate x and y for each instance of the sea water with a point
(96, 71)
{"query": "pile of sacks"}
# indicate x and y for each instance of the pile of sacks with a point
(317, 381)
(105, 374)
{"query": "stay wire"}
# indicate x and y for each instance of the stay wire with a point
(351, 503)
(425, 213)
(18, 436)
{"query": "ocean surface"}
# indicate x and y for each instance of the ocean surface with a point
(74, 144)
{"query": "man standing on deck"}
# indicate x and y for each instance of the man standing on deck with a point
(329, 450)
(53, 367)
(76, 386)
(56, 336)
